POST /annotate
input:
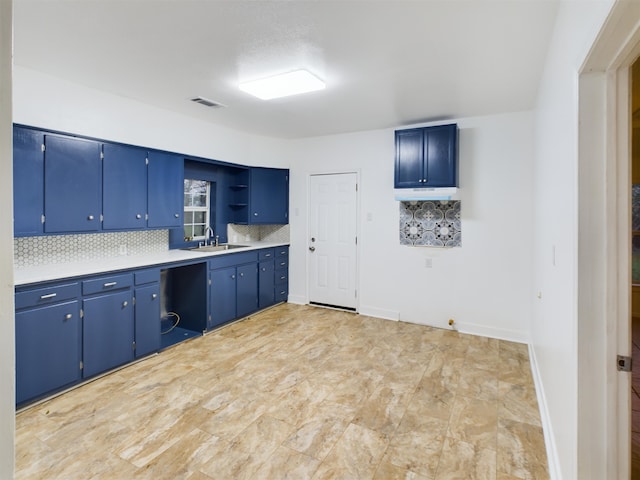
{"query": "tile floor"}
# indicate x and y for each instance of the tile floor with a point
(299, 392)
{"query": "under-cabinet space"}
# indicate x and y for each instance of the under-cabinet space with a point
(183, 303)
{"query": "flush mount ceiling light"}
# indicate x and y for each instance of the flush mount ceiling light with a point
(283, 85)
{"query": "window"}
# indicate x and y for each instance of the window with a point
(196, 209)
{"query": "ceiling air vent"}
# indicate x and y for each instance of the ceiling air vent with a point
(207, 103)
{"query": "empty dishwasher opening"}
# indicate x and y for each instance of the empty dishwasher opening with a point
(183, 303)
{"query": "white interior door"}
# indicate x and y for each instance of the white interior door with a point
(332, 240)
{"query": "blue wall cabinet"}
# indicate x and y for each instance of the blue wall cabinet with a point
(48, 335)
(124, 179)
(165, 190)
(73, 179)
(427, 157)
(147, 312)
(108, 323)
(28, 181)
(268, 196)
(222, 296)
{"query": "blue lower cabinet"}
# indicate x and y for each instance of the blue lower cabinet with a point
(222, 296)
(147, 319)
(108, 332)
(247, 289)
(266, 283)
(282, 274)
(48, 349)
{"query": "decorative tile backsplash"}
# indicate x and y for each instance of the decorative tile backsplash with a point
(256, 233)
(433, 223)
(51, 249)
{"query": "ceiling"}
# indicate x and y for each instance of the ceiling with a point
(386, 63)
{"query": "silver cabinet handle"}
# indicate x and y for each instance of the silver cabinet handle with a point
(90, 217)
(124, 304)
(154, 296)
(177, 215)
(264, 269)
(282, 264)
(255, 214)
(282, 277)
(233, 277)
(68, 316)
(110, 284)
(311, 249)
(242, 275)
(267, 255)
(48, 295)
(138, 216)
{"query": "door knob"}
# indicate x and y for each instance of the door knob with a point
(312, 249)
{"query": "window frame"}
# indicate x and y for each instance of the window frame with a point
(206, 209)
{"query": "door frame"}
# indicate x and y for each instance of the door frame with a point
(604, 247)
(358, 229)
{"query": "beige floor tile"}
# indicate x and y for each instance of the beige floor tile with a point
(388, 471)
(518, 403)
(355, 456)
(521, 450)
(478, 383)
(461, 460)
(285, 464)
(474, 421)
(384, 409)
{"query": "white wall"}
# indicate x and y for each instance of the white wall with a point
(485, 285)
(48, 102)
(554, 327)
(7, 362)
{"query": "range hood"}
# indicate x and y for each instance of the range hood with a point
(422, 194)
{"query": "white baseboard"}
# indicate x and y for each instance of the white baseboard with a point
(549, 437)
(491, 332)
(297, 299)
(379, 313)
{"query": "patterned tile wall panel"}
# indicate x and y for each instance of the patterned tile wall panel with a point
(256, 233)
(434, 223)
(51, 249)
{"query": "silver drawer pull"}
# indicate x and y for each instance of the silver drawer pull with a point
(267, 255)
(233, 277)
(68, 316)
(48, 295)
(154, 296)
(90, 217)
(264, 269)
(138, 216)
(282, 292)
(282, 277)
(284, 263)
(242, 274)
(124, 304)
(177, 215)
(110, 284)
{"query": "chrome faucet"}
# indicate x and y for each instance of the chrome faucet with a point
(208, 233)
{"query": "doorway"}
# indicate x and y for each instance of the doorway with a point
(333, 240)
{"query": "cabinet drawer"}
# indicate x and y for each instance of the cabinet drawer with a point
(282, 293)
(282, 251)
(232, 259)
(147, 276)
(46, 295)
(107, 284)
(266, 254)
(282, 276)
(282, 263)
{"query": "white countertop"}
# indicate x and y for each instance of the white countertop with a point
(57, 271)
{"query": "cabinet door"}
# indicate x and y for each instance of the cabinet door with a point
(48, 346)
(269, 196)
(28, 181)
(147, 319)
(409, 168)
(247, 289)
(124, 179)
(222, 296)
(266, 284)
(107, 332)
(73, 179)
(440, 144)
(165, 190)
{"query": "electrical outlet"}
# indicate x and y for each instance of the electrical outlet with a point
(122, 250)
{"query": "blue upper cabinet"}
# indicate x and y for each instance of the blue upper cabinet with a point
(268, 196)
(124, 180)
(165, 190)
(28, 181)
(427, 157)
(73, 179)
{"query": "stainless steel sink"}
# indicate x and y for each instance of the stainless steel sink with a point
(215, 248)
